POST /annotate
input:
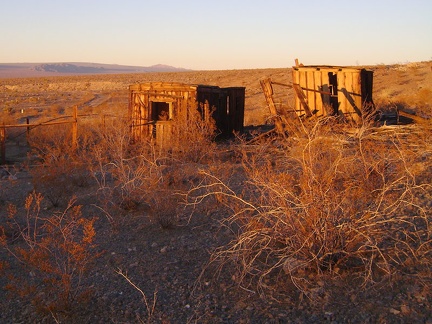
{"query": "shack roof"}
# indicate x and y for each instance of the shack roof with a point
(168, 85)
(328, 67)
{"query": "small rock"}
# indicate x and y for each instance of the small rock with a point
(405, 309)
(164, 249)
(328, 316)
(394, 311)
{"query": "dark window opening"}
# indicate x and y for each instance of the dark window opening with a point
(160, 111)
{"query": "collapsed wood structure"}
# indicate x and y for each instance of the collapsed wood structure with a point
(157, 107)
(327, 91)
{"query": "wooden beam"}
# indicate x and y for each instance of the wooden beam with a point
(415, 118)
(37, 124)
(266, 85)
(282, 84)
(300, 94)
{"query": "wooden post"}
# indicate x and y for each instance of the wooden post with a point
(75, 129)
(3, 144)
(266, 85)
(302, 97)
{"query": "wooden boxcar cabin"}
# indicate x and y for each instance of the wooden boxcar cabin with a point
(156, 107)
(326, 90)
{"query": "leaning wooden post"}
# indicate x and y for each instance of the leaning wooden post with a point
(75, 128)
(3, 144)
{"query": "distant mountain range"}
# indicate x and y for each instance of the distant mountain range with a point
(17, 70)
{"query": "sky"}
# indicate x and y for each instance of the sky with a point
(216, 34)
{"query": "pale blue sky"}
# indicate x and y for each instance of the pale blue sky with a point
(217, 34)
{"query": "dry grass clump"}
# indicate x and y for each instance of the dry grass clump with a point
(326, 205)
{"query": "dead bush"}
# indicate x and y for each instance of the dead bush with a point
(122, 171)
(58, 167)
(53, 253)
(138, 175)
(328, 205)
(194, 139)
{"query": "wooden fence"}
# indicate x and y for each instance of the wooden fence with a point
(71, 119)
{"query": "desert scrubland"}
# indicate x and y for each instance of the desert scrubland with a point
(329, 223)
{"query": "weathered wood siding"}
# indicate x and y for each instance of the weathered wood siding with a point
(333, 90)
(235, 109)
(180, 97)
(225, 105)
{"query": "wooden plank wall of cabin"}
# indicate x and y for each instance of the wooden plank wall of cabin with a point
(342, 104)
(181, 97)
(366, 86)
(325, 87)
(349, 95)
(165, 134)
(310, 95)
(366, 77)
(299, 78)
(221, 111)
(356, 96)
(140, 115)
(208, 99)
(312, 79)
(236, 109)
(295, 77)
(182, 100)
(320, 78)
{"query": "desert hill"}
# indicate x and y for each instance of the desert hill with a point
(24, 70)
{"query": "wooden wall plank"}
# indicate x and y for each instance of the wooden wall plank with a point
(318, 81)
(341, 96)
(310, 95)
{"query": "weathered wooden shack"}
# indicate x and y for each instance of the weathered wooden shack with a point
(328, 90)
(157, 107)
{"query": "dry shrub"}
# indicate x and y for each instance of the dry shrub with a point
(194, 138)
(143, 175)
(58, 166)
(53, 254)
(121, 170)
(327, 205)
(129, 176)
